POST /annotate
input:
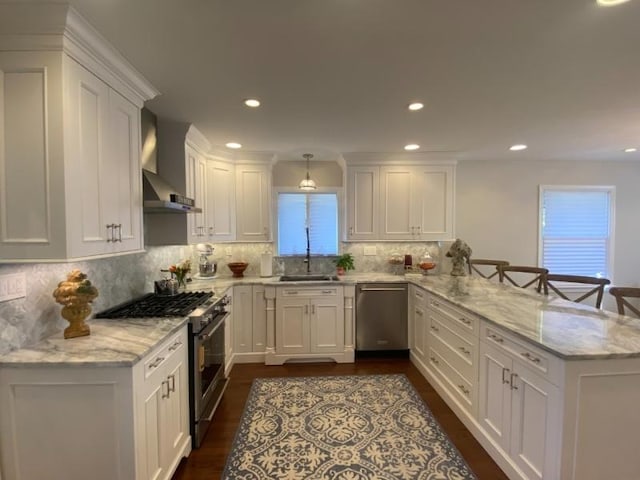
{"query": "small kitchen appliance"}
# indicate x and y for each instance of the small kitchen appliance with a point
(206, 268)
(207, 316)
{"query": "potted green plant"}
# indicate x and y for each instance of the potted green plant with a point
(344, 263)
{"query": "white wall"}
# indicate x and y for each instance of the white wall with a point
(497, 208)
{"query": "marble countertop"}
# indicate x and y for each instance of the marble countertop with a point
(566, 329)
(112, 343)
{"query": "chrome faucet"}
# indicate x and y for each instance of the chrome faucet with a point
(308, 258)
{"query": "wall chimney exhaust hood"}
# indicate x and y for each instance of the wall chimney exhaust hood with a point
(159, 196)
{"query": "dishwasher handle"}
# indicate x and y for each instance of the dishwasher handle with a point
(382, 289)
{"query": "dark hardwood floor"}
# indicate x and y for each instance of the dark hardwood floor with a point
(207, 463)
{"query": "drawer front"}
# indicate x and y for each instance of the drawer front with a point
(543, 363)
(458, 351)
(461, 389)
(418, 296)
(310, 292)
(464, 323)
(161, 355)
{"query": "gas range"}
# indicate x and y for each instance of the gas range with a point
(200, 307)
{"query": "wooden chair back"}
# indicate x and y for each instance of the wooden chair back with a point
(475, 265)
(538, 281)
(621, 294)
(555, 282)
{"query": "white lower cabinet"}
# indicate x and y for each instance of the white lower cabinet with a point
(309, 323)
(520, 411)
(163, 408)
(418, 322)
(249, 323)
(103, 423)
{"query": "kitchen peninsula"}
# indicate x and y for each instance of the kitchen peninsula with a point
(548, 387)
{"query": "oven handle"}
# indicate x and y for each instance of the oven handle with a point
(206, 335)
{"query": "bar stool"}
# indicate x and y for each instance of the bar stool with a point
(539, 280)
(621, 294)
(557, 281)
(474, 263)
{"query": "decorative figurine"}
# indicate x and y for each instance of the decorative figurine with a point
(76, 293)
(459, 253)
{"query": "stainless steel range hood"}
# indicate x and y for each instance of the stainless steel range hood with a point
(159, 196)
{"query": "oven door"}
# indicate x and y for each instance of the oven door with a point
(208, 374)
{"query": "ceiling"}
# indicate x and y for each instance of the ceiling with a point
(336, 76)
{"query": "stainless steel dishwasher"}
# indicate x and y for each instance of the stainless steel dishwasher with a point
(381, 317)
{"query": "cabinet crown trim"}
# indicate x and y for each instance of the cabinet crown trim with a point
(59, 27)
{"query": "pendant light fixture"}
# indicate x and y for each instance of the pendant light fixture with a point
(307, 183)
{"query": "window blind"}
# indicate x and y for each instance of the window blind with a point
(317, 210)
(576, 227)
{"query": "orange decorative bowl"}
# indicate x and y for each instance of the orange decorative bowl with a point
(426, 266)
(238, 268)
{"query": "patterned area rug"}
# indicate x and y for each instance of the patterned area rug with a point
(341, 428)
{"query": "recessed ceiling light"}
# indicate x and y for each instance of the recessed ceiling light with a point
(518, 147)
(252, 102)
(412, 146)
(610, 3)
(416, 106)
(233, 145)
(630, 150)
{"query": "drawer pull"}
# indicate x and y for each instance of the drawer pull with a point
(175, 346)
(496, 338)
(505, 380)
(434, 360)
(435, 329)
(156, 362)
(465, 321)
(435, 304)
(326, 292)
(530, 357)
(464, 350)
(513, 376)
(419, 295)
(464, 389)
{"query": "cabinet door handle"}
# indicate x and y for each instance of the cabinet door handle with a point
(464, 350)
(156, 362)
(172, 388)
(210, 230)
(165, 382)
(505, 380)
(350, 231)
(120, 232)
(530, 357)
(306, 309)
(513, 379)
(110, 232)
(313, 309)
(496, 338)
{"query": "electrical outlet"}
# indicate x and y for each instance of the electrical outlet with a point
(370, 250)
(12, 286)
(228, 252)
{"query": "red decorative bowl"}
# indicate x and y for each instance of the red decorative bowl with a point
(238, 268)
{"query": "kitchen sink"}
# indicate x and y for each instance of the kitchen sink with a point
(308, 278)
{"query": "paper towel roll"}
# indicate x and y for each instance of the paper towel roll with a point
(266, 265)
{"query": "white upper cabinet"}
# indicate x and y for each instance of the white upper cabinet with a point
(363, 186)
(219, 206)
(400, 202)
(70, 185)
(253, 197)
